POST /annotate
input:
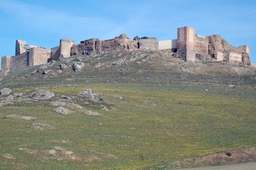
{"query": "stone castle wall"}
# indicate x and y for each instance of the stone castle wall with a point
(38, 56)
(20, 61)
(167, 44)
(188, 46)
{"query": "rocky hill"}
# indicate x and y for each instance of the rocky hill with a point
(131, 67)
(127, 110)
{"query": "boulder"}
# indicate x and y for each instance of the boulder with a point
(62, 110)
(41, 94)
(64, 98)
(63, 67)
(42, 126)
(46, 71)
(9, 99)
(18, 94)
(78, 66)
(5, 91)
(90, 95)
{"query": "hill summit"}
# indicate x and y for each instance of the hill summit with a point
(189, 47)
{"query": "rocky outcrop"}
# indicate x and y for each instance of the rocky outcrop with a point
(41, 95)
(62, 110)
(90, 95)
(5, 91)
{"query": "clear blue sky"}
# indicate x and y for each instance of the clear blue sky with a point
(45, 22)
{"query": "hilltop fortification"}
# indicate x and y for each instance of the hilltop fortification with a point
(188, 46)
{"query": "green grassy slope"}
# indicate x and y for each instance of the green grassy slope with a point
(154, 112)
(150, 125)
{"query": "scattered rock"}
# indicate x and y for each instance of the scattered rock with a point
(138, 63)
(64, 98)
(91, 113)
(63, 67)
(8, 156)
(62, 110)
(51, 63)
(41, 126)
(90, 95)
(52, 151)
(17, 94)
(58, 103)
(5, 91)
(33, 72)
(8, 99)
(99, 65)
(43, 67)
(14, 116)
(78, 66)
(46, 71)
(41, 94)
(72, 105)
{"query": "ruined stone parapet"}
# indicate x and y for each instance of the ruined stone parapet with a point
(146, 43)
(20, 47)
(65, 47)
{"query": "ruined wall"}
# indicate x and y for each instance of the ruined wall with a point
(55, 53)
(202, 45)
(167, 44)
(96, 46)
(87, 47)
(39, 56)
(20, 61)
(6, 64)
(65, 47)
(235, 57)
(148, 44)
(119, 43)
(20, 47)
(222, 51)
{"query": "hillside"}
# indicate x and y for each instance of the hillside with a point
(127, 110)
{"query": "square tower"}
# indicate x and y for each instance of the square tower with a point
(186, 43)
(65, 47)
(20, 47)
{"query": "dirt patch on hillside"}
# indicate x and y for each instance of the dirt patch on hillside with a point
(220, 158)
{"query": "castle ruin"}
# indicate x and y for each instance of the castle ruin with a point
(188, 46)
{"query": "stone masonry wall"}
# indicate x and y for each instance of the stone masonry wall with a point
(20, 61)
(39, 56)
(6, 64)
(167, 44)
(148, 44)
(65, 47)
(55, 53)
(202, 45)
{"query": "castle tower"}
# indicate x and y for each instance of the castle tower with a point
(20, 47)
(6, 64)
(65, 47)
(186, 43)
(246, 49)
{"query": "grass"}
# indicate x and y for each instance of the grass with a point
(151, 125)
